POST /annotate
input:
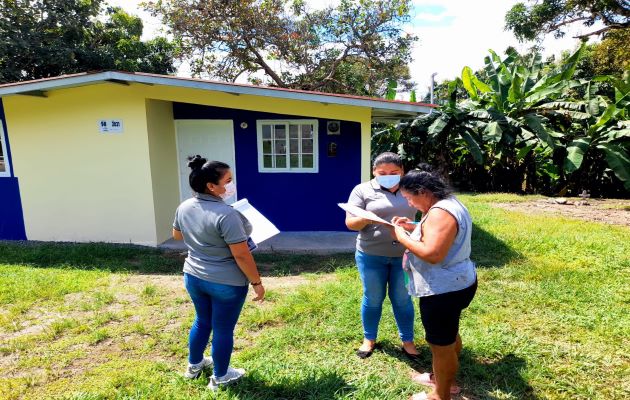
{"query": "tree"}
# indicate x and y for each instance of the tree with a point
(611, 56)
(40, 39)
(553, 16)
(355, 47)
(521, 128)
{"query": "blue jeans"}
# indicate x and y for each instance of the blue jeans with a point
(378, 274)
(217, 307)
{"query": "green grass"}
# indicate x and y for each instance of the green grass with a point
(550, 321)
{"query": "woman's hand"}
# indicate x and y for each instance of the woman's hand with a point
(404, 222)
(260, 293)
(401, 233)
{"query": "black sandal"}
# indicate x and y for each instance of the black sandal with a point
(365, 354)
(412, 357)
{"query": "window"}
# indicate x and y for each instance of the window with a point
(287, 146)
(4, 158)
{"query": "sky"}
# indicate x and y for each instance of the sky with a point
(452, 34)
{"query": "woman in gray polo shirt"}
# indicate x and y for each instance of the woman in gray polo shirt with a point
(218, 268)
(379, 256)
(440, 273)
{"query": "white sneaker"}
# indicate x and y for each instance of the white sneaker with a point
(232, 375)
(193, 371)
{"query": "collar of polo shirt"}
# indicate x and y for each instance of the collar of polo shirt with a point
(206, 196)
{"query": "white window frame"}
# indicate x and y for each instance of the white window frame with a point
(287, 122)
(5, 155)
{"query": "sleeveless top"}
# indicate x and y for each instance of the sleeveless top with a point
(456, 271)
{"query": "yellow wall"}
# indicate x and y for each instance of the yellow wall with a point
(77, 184)
(164, 168)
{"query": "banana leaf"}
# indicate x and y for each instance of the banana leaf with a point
(575, 154)
(618, 160)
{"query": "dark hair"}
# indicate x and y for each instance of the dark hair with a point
(204, 171)
(425, 167)
(387, 158)
(418, 182)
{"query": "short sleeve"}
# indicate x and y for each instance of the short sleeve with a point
(176, 225)
(231, 228)
(356, 197)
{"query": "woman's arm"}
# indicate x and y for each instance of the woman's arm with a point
(438, 234)
(177, 235)
(356, 223)
(246, 263)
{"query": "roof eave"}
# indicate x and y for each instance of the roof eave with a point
(119, 77)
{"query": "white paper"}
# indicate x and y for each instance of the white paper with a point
(263, 229)
(359, 212)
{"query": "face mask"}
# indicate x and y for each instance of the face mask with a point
(388, 181)
(230, 190)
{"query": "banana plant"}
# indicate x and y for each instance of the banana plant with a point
(520, 121)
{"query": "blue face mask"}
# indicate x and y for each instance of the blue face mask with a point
(388, 181)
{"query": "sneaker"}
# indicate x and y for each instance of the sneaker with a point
(232, 375)
(193, 371)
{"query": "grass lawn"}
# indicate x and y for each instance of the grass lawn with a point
(550, 321)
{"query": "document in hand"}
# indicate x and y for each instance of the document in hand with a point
(263, 229)
(359, 212)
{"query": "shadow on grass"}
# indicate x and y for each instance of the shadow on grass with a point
(482, 380)
(489, 251)
(295, 264)
(326, 386)
(147, 260)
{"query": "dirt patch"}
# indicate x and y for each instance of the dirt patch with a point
(127, 291)
(174, 284)
(608, 211)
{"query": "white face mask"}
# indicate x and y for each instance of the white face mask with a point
(230, 190)
(388, 181)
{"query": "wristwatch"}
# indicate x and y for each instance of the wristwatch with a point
(256, 283)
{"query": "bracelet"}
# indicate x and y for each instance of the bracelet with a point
(256, 283)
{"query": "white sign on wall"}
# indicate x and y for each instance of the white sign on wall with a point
(110, 126)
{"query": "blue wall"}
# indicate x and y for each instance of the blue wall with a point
(292, 201)
(11, 215)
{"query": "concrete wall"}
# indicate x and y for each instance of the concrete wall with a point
(76, 183)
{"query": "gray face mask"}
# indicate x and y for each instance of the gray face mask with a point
(388, 181)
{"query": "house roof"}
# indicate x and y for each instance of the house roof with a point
(382, 110)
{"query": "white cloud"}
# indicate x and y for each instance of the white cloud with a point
(476, 27)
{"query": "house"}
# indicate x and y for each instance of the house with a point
(102, 156)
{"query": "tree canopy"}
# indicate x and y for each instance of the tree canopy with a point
(40, 39)
(530, 22)
(356, 47)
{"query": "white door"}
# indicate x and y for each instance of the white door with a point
(211, 139)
